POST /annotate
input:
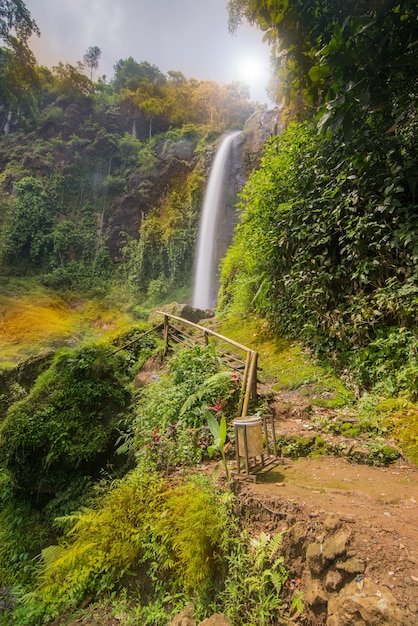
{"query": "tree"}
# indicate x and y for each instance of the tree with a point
(131, 75)
(91, 59)
(26, 235)
(152, 107)
(17, 64)
(15, 18)
(71, 82)
(349, 57)
(18, 83)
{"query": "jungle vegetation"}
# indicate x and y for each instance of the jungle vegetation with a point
(100, 189)
(327, 245)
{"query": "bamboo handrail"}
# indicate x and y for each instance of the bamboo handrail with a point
(249, 379)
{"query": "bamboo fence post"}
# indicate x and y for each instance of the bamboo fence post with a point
(253, 376)
(166, 333)
(244, 383)
(251, 383)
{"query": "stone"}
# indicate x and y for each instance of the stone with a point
(259, 128)
(372, 606)
(333, 581)
(332, 522)
(185, 311)
(333, 621)
(351, 566)
(314, 594)
(297, 535)
(218, 619)
(336, 545)
(185, 618)
(314, 558)
(360, 454)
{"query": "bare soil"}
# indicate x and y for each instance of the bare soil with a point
(378, 504)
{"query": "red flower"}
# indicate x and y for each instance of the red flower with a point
(217, 407)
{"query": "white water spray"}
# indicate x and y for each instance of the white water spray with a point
(204, 296)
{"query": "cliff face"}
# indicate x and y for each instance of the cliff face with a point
(95, 177)
(143, 191)
(95, 184)
(258, 129)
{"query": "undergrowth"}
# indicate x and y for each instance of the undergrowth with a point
(35, 319)
(170, 424)
(153, 546)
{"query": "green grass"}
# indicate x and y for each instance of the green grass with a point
(287, 363)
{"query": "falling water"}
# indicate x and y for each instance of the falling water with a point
(205, 284)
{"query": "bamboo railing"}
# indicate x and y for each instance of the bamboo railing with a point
(188, 333)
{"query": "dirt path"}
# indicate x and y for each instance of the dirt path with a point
(377, 508)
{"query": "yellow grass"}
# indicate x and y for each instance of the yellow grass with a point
(36, 321)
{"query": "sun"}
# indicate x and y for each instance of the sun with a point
(250, 69)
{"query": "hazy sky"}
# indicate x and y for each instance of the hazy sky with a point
(190, 36)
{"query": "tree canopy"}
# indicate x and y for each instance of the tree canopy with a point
(91, 59)
(345, 56)
(15, 21)
(18, 78)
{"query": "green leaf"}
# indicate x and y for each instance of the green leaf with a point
(213, 425)
(222, 431)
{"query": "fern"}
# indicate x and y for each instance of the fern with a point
(101, 544)
(274, 544)
(216, 382)
(255, 581)
(192, 529)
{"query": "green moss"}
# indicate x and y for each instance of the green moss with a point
(405, 431)
(393, 405)
(68, 423)
(287, 362)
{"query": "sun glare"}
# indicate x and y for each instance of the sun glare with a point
(250, 70)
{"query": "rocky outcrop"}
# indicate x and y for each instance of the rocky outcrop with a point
(16, 382)
(258, 129)
(185, 311)
(335, 564)
(186, 618)
(364, 602)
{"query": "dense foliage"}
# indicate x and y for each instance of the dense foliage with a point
(170, 423)
(169, 541)
(332, 218)
(344, 55)
(67, 425)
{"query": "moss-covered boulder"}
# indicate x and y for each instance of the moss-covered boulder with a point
(67, 425)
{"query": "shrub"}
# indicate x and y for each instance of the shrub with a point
(179, 401)
(101, 545)
(172, 537)
(66, 426)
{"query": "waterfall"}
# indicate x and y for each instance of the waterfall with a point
(208, 254)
